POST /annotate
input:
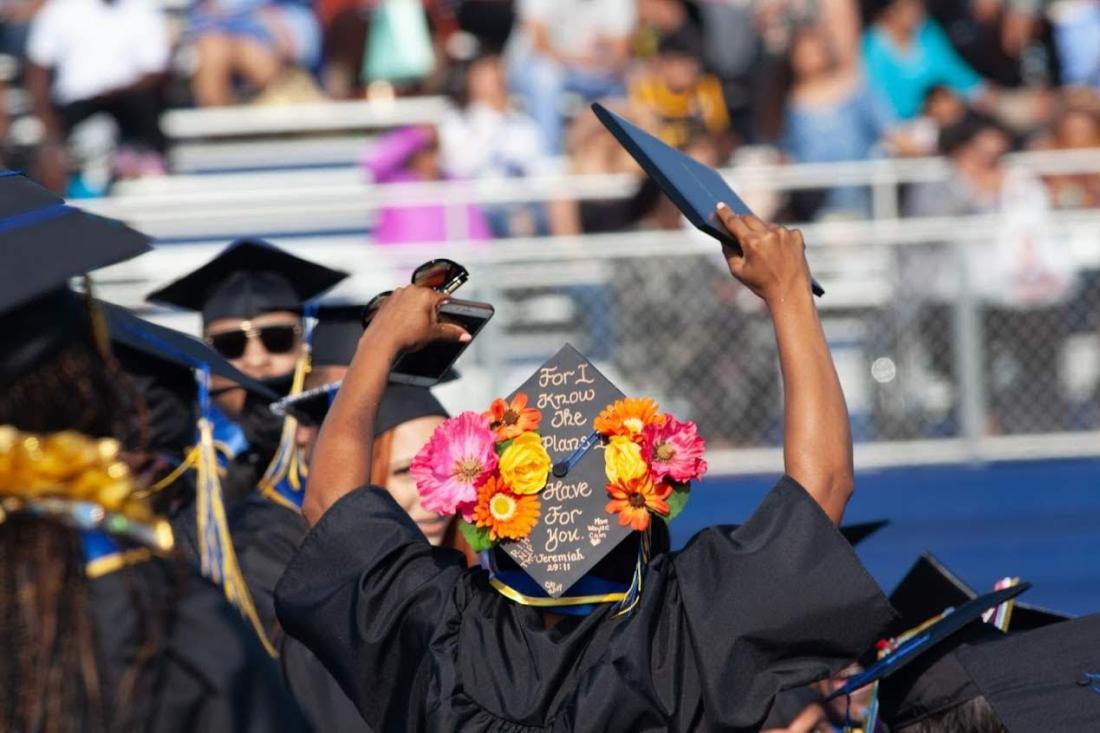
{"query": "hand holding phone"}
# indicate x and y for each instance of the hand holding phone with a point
(409, 319)
(425, 366)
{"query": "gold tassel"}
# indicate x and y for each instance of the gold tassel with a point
(218, 559)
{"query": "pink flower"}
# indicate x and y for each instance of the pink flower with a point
(448, 470)
(674, 451)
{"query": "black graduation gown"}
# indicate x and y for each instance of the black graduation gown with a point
(266, 536)
(421, 643)
(208, 671)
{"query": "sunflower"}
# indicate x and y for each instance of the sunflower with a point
(635, 499)
(510, 421)
(505, 514)
(628, 417)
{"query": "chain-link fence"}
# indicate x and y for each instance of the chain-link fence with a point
(960, 337)
(915, 366)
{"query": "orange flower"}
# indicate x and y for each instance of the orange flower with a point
(505, 514)
(628, 417)
(509, 421)
(635, 499)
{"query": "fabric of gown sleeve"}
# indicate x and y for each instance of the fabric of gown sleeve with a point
(207, 671)
(266, 536)
(365, 594)
(776, 604)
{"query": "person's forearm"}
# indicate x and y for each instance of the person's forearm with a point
(817, 441)
(342, 457)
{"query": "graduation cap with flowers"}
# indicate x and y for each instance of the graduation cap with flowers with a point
(563, 485)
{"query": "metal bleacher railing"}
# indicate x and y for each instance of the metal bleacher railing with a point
(927, 381)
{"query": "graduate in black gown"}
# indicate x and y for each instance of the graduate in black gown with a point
(101, 627)
(420, 642)
(252, 296)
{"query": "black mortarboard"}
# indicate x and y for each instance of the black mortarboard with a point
(401, 403)
(917, 678)
(571, 393)
(1045, 679)
(248, 278)
(45, 243)
(694, 188)
(926, 590)
(336, 335)
(1026, 617)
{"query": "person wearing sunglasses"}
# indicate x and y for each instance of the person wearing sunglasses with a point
(251, 297)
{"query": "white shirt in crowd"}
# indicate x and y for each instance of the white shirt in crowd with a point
(97, 47)
(577, 26)
(482, 142)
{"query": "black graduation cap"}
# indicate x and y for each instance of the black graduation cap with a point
(571, 393)
(908, 689)
(43, 244)
(401, 403)
(248, 278)
(694, 188)
(46, 242)
(1045, 679)
(336, 334)
(1026, 617)
(926, 590)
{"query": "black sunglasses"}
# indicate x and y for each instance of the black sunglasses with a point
(442, 276)
(277, 339)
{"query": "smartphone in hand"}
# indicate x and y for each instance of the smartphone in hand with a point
(427, 366)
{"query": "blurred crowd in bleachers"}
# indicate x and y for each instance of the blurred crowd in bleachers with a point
(728, 80)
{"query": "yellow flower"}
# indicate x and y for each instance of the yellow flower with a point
(525, 464)
(622, 459)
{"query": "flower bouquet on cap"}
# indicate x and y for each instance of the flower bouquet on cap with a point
(527, 477)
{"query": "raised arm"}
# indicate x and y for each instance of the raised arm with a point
(341, 460)
(817, 441)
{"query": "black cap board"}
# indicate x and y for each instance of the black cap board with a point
(928, 639)
(248, 278)
(401, 403)
(1047, 679)
(926, 590)
(43, 244)
(694, 188)
(46, 242)
(336, 334)
(574, 531)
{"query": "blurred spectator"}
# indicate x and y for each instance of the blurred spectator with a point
(577, 46)
(262, 43)
(15, 23)
(942, 108)
(385, 47)
(1076, 128)
(412, 155)
(1076, 28)
(831, 114)
(673, 89)
(1021, 273)
(907, 54)
(486, 138)
(1008, 42)
(117, 70)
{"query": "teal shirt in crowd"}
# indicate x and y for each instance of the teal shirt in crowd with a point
(904, 76)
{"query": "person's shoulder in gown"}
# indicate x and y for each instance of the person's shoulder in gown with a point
(192, 662)
(421, 643)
